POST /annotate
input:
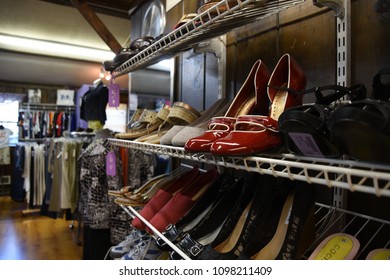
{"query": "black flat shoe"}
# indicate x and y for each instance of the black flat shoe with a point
(234, 236)
(288, 234)
(229, 208)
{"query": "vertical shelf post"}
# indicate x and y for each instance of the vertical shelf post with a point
(342, 10)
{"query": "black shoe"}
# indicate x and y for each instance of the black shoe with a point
(233, 237)
(229, 208)
(286, 226)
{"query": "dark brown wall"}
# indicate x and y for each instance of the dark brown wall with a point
(308, 33)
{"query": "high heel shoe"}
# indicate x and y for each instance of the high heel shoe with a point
(227, 210)
(287, 235)
(258, 133)
(233, 237)
(249, 99)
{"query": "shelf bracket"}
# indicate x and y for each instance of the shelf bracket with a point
(336, 5)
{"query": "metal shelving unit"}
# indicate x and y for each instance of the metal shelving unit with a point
(346, 174)
(334, 220)
(339, 174)
(32, 107)
(217, 20)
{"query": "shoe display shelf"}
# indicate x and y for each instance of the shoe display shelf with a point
(339, 174)
(334, 173)
(132, 212)
(346, 174)
(331, 219)
(217, 20)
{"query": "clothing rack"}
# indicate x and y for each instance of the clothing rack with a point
(46, 107)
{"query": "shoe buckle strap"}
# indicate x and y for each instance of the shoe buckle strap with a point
(226, 122)
(195, 250)
(262, 121)
(191, 246)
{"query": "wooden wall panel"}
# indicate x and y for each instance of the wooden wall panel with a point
(370, 42)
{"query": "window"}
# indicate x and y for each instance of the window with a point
(9, 118)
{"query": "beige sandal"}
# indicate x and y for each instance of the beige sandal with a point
(148, 122)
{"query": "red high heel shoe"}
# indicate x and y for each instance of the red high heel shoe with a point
(249, 99)
(257, 133)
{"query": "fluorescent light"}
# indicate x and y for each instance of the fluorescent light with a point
(53, 49)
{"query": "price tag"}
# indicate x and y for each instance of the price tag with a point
(113, 95)
(111, 164)
(306, 144)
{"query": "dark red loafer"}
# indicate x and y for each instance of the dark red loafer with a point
(252, 134)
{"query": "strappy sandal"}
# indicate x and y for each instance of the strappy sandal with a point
(304, 129)
(134, 118)
(148, 122)
(148, 190)
(121, 192)
(180, 114)
(131, 191)
(362, 130)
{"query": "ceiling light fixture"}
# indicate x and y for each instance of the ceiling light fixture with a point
(48, 48)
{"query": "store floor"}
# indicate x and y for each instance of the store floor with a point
(35, 237)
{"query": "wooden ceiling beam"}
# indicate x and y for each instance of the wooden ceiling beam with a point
(97, 25)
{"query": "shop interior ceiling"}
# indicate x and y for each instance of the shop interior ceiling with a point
(68, 22)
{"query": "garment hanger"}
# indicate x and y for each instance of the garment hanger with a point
(97, 82)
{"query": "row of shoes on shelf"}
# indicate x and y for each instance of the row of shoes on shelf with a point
(267, 115)
(140, 44)
(212, 216)
(208, 215)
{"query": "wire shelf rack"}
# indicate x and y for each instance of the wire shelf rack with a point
(372, 233)
(226, 15)
(346, 174)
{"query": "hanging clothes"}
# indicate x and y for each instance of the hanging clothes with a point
(97, 209)
(93, 106)
(26, 172)
(39, 174)
(17, 182)
(5, 153)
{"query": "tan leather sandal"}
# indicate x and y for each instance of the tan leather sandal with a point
(148, 122)
(182, 114)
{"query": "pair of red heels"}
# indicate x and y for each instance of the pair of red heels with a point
(250, 125)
